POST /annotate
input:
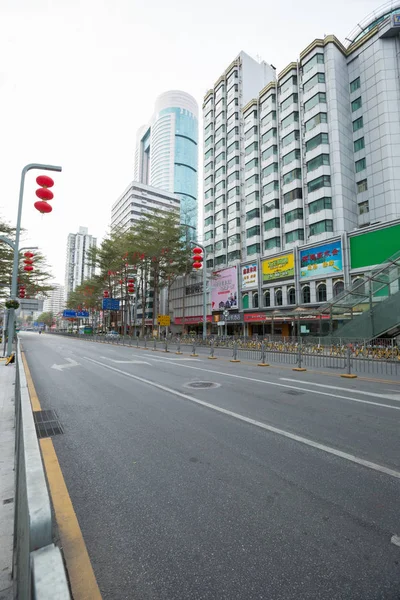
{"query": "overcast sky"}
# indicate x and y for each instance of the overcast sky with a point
(77, 79)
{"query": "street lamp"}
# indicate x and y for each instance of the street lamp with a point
(44, 184)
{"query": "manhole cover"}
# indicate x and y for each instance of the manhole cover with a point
(47, 423)
(202, 385)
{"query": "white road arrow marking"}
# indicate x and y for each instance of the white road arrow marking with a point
(71, 363)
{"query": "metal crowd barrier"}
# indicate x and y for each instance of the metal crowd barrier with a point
(38, 570)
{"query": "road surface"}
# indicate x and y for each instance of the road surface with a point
(268, 484)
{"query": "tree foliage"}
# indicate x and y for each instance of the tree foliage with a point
(47, 318)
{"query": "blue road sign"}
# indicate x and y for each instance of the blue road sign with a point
(41, 324)
(35, 324)
(110, 304)
(68, 314)
(82, 313)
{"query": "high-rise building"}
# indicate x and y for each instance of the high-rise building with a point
(55, 301)
(137, 200)
(77, 266)
(311, 155)
(166, 154)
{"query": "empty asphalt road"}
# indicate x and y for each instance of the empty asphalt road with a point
(266, 484)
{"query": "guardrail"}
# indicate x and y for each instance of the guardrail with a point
(38, 569)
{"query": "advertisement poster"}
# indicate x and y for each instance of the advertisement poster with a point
(321, 260)
(249, 276)
(224, 292)
(280, 267)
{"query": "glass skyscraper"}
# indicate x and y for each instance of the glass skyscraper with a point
(167, 151)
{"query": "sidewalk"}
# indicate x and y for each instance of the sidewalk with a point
(7, 441)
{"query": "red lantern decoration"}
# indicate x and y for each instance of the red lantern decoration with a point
(44, 181)
(197, 265)
(105, 294)
(29, 254)
(44, 194)
(131, 281)
(43, 207)
(197, 258)
(28, 268)
(197, 250)
(28, 261)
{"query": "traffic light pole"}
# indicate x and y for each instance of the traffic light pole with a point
(11, 318)
(204, 287)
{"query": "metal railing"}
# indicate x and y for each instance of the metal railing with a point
(38, 566)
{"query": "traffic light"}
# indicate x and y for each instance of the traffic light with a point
(44, 193)
(197, 257)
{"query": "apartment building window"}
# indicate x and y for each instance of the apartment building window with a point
(288, 83)
(271, 116)
(320, 97)
(231, 78)
(292, 195)
(325, 226)
(208, 141)
(233, 132)
(267, 299)
(292, 99)
(273, 186)
(272, 243)
(317, 59)
(271, 151)
(293, 215)
(320, 204)
(233, 177)
(209, 235)
(232, 104)
(362, 186)
(291, 176)
(356, 104)
(220, 200)
(220, 215)
(253, 197)
(220, 158)
(252, 148)
(291, 137)
(255, 230)
(321, 292)
(360, 165)
(252, 180)
(319, 182)
(338, 288)
(363, 207)
(220, 260)
(358, 124)
(208, 221)
(306, 294)
(234, 192)
(272, 224)
(219, 172)
(234, 239)
(209, 167)
(220, 245)
(254, 213)
(233, 208)
(220, 186)
(252, 164)
(271, 205)
(220, 144)
(270, 100)
(268, 135)
(209, 207)
(253, 249)
(232, 119)
(251, 133)
(294, 236)
(249, 118)
(232, 148)
(321, 117)
(233, 161)
(219, 105)
(208, 181)
(219, 131)
(359, 144)
(278, 297)
(235, 255)
(290, 119)
(355, 85)
(220, 230)
(315, 80)
(291, 156)
(317, 140)
(234, 223)
(272, 168)
(208, 129)
(210, 263)
(209, 248)
(291, 296)
(209, 153)
(319, 161)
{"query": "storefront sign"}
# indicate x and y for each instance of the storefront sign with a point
(279, 267)
(373, 247)
(224, 290)
(254, 317)
(191, 320)
(249, 276)
(231, 317)
(322, 260)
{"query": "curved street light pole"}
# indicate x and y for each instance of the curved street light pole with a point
(11, 318)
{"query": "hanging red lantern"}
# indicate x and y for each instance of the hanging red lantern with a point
(197, 265)
(197, 250)
(28, 261)
(44, 194)
(44, 181)
(28, 268)
(43, 207)
(29, 254)
(130, 281)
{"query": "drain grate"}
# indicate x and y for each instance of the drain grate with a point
(47, 423)
(202, 385)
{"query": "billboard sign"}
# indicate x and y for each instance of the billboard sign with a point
(322, 260)
(279, 267)
(224, 289)
(249, 276)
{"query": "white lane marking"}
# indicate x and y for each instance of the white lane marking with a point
(395, 397)
(395, 539)
(169, 359)
(276, 384)
(282, 432)
(130, 362)
(71, 363)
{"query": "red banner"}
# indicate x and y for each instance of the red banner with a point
(191, 320)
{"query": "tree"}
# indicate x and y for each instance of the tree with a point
(47, 318)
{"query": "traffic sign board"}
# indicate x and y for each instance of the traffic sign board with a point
(110, 304)
(164, 320)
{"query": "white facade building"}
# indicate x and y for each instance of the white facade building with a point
(77, 266)
(311, 155)
(55, 302)
(137, 200)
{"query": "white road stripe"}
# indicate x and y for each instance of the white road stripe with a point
(395, 397)
(281, 432)
(395, 539)
(126, 362)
